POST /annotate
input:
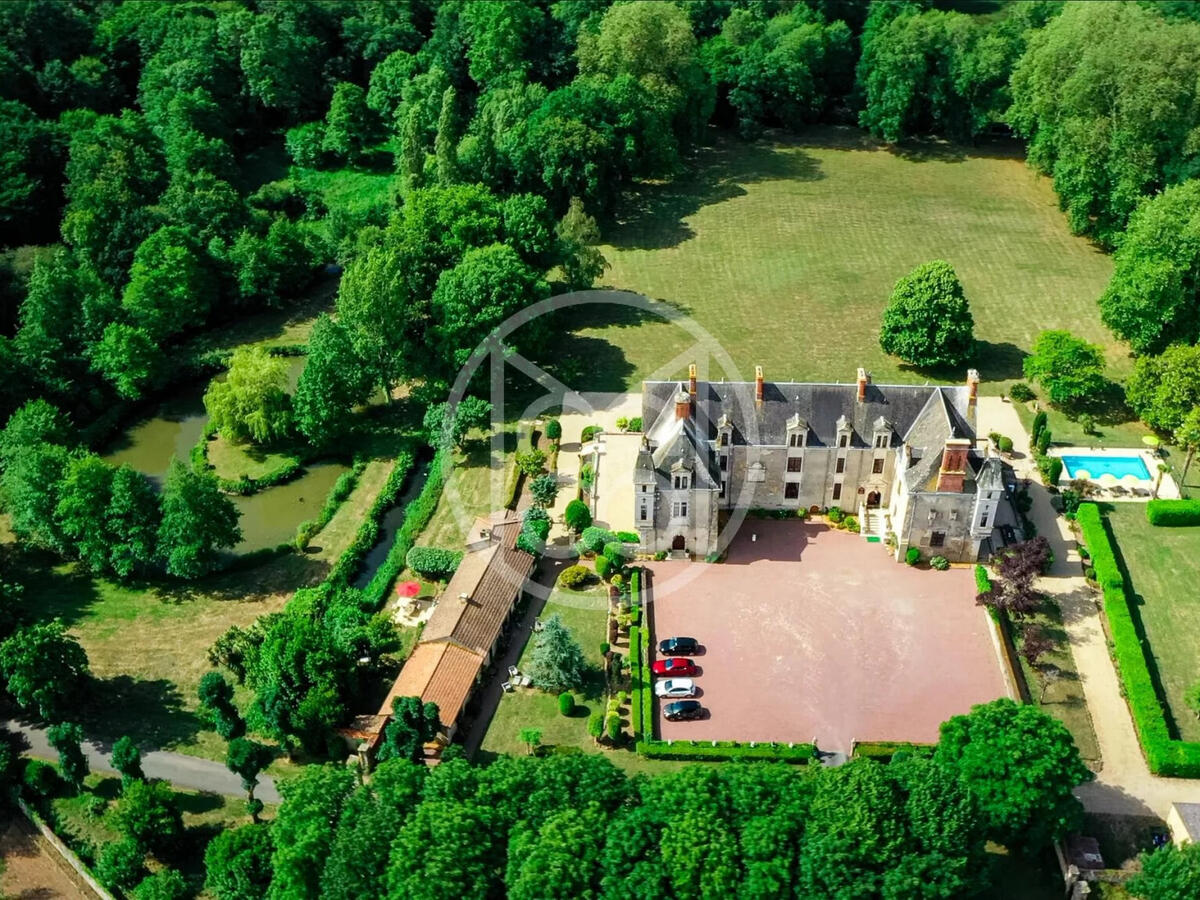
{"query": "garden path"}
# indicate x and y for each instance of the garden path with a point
(1124, 786)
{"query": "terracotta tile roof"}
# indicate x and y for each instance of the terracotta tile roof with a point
(442, 673)
(491, 579)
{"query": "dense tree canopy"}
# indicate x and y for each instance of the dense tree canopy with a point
(1069, 368)
(251, 402)
(927, 322)
(1164, 389)
(197, 521)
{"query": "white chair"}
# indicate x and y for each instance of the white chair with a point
(507, 686)
(526, 681)
(512, 670)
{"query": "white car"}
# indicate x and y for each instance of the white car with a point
(675, 687)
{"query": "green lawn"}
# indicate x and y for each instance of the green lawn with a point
(1164, 567)
(475, 487)
(786, 251)
(1066, 431)
(233, 461)
(1063, 698)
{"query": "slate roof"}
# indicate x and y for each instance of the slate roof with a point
(820, 405)
(1189, 815)
(490, 578)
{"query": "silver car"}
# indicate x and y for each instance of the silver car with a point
(675, 687)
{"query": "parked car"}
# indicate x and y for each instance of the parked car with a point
(683, 709)
(676, 665)
(675, 687)
(678, 646)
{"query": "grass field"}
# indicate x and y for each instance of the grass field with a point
(1164, 567)
(234, 461)
(475, 487)
(786, 251)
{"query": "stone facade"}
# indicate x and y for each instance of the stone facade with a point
(901, 457)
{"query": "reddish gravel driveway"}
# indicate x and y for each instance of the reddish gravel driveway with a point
(810, 632)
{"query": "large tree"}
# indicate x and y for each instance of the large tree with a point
(1154, 295)
(170, 286)
(333, 382)
(1107, 148)
(350, 125)
(927, 321)
(1169, 873)
(45, 670)
(413, 724)
(1021, 766)
(556, 663)
(148, 814)
(197, 521)
(67, 739)
(1069, 368)
(1164, 389)
(84, 495)
(303, 831)
(251, 402)
(131, 522)
(237, 863)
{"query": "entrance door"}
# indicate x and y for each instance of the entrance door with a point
(872, 499)
(678, 543)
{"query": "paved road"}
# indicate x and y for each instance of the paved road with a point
(1124, 785)
(181, 770)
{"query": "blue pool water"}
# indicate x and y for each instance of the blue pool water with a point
(1118, 466)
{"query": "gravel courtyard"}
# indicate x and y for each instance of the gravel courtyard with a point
(811, 632)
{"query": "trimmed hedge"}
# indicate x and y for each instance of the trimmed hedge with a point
(983, 581)
(338, 494)
(1173, 513)
(348, 563)
(1164, 755)
(433, 562)
(594, 538)
(416, 516)
(725, 750)
(885, 750)
(1095, 538)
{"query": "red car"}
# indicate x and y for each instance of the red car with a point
(676, 665)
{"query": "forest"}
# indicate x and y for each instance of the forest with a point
(158, 185)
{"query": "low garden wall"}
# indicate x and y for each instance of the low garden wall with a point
(1164, 755)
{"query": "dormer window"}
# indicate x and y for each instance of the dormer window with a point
(843, 440)
(882, 430)
(844, 430)
(682, 481)
(797, 431)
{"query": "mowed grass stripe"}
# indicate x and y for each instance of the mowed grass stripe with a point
(787, 253)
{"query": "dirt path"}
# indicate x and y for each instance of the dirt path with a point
(1124, 786)
(30, 868)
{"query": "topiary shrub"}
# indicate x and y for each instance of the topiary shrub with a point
(615, 552)
(1173, 513)
(635, 424)
(433, 562)
(1005, 444)
(566, 703)
(590, 432)
(604, 566)
(577, 516)
(629, 537)
(660, 555)
(575, 577)
(912, 556)
(850, 523)
(1043, 440)
(554, 430)
(612, 727)
(940, 563)
(1050, 468)
(593, 539)
(1021, 392)
(835, 515)
(1039, 425)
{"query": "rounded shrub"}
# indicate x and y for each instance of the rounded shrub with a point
(1005, 444)
(940, 563)
(605, 647)
(433, 562)
(835, 515)
(566, 703)
(612, 727)
(604, 566)
(590, 432)
(615, 552)
(912, 556)
(575, 577)
(577, 516)
(629, 537)
(1021, 392)
(850, 523)
(40, 778)
(593, 539)
(554, 430)
(660, 555)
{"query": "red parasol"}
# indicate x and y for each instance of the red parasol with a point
(408, 588)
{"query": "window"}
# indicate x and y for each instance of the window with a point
(644, 515)
(877, 467)
(795, 439)
(983, 520)
(724, 442)
(724, 462)
(681, 482)
(723, 483)
(791, 490)
(837, 491)
(881, 441)
(679, 509)
(841, 465)
(795, 463)
(844, 440)
(937, 538)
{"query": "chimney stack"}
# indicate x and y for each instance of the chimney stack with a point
(683, 404)
(953, 472)
(972, 386)
(758, 385)
(863, 380)
(692, 380)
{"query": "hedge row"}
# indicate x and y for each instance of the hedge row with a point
(416, 516)
(1164, 755)
(433, 562)
(1173, 513)
(642, 684)
(245, 486)
(725, 750)
(1095, 538)
(338, 494)
(885, 750)
(367, 537)
(983, 582)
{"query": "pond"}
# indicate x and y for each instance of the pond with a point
(269, 517)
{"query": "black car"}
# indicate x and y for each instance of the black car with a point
(676, 646)
(683, 709)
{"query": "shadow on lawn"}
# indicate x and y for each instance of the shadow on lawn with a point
(651, 216)
(150, 711)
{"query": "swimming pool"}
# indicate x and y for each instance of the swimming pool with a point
(1117, 466)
